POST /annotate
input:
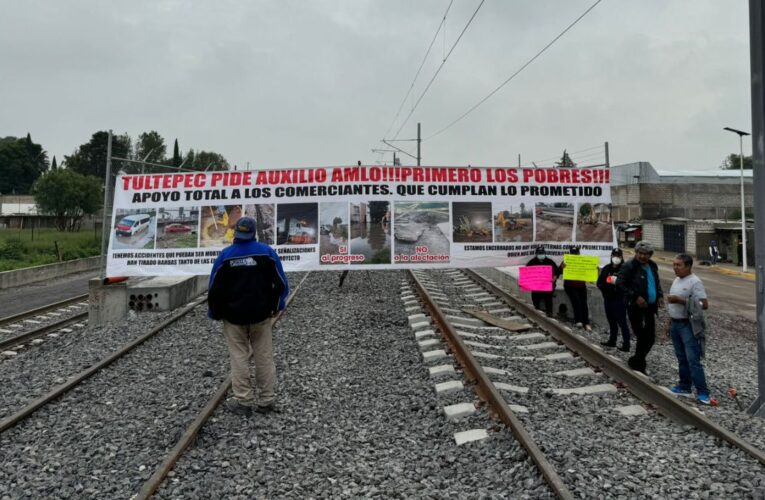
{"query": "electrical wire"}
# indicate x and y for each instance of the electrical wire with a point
(595, 154)
(517, 72)
(439, 68)
(401, 106)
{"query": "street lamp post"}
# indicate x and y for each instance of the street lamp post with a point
(741, 135)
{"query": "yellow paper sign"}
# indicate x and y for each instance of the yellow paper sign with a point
(580, 267)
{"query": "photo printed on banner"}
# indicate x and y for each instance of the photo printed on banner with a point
(554, 222)
(333, 232)
(370, 232)
(178, 227)
(593, 222)
(471, 222)
(420, 231)
(297, 223)
(265, 220)
(134, 229)
(217, 224)
(513, 222)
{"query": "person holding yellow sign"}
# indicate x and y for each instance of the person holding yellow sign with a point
(577, 271)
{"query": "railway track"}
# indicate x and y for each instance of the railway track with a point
(74, 384)
(80, 377)
(558, 375)
(17, 318)
(190, 434)
(44, 320)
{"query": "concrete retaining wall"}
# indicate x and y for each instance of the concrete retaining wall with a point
(41, 273)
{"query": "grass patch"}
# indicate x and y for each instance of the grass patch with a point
(27, 248)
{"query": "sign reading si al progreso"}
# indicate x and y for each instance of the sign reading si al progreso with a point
(361, 217)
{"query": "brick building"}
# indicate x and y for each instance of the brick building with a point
(684, 211)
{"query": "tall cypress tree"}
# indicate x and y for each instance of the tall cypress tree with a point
(176, 155)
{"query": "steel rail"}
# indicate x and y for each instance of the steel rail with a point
(637, 383)
(488, 392)
(39, 332)
(12, 420)
(189, 436)
(40, 310)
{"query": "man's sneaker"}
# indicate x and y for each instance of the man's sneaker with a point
(578, 325)
(235, 406)
(269, 408)
(680, 391)
(704, 399)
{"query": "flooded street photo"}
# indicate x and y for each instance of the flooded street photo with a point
(370, 231)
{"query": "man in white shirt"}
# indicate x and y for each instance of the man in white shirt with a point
(687, 286)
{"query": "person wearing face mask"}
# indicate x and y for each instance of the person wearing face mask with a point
(538, 298)
(613, 301)
(638, 279)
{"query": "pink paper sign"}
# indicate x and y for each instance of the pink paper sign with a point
(535, 278)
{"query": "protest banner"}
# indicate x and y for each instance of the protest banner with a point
(359, 217)
(581, 267)
(535, 278)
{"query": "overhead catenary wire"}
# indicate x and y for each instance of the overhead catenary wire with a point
(573, 156)
(411, 112)
(417, 74)
(487, 97)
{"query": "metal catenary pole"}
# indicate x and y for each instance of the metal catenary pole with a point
(107, 213)
(608, 163)
(757, 56)
(743, 206)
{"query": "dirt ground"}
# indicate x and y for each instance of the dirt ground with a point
(594, 232)
(553, 231)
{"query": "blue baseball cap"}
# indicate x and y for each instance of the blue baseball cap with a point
(245, 229)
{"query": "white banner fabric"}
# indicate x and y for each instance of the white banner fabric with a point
(360, 217)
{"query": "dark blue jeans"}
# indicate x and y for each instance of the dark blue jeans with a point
(616, 313)
(688, 354)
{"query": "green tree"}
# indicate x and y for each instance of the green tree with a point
(565, 161)
(68, 196)
(205, 161)
(733, 162)
(150, 147)
(53, 164)
(21, 163)
(90, 158)
(177, 160)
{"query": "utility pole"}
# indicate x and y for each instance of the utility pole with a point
(519, 160)
(757, 58)
(608, 164)
(106, 228)
(419, 141)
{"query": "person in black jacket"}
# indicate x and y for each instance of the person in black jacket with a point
(546, 298)
(247, 289)
(577, 294)
(638, 279)
(613, 301)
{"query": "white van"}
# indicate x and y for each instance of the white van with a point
(132, 224)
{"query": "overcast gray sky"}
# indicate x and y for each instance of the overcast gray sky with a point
(304, 83)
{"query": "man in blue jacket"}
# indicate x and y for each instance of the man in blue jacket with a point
(247, 289)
